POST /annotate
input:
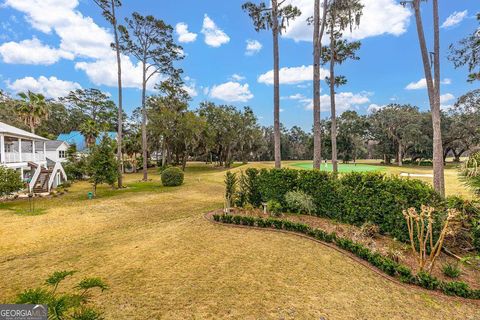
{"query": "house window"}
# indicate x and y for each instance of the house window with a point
(62, 154)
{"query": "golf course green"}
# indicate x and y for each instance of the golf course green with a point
(342, 167)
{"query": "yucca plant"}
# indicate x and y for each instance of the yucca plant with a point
(470, 172)
(230, 189)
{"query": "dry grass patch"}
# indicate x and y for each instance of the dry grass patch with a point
(162, 260)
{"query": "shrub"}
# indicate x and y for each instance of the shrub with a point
(275, 183)
(10, 181)
(172, 177)
(427, 281)
(322, 187)
(74, 305)
(300, 202)
(274, 207)
(369, 230)
(456, 288)
(451, 270)
(251, 185)
(230, 189)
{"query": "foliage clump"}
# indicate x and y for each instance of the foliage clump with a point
(73, 304)
(10, 181)
(172, 177)
(102, 163)
(451, 270)
(300, 202)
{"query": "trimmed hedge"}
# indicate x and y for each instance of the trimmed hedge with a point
(385, 264)
(353, 198)
(172, 177)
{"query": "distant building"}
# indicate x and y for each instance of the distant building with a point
(78, 139)
(57, 150)
(26, 153)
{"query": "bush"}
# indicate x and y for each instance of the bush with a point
(10, 181)
(451, 270)
(275, 183)
(427, 281)
(456, 288)
(172, 177)
(274, 207)
(299, 202)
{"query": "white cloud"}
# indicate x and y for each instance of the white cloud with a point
(447, 97)
(422, 84)
(214, 36)
(293, 75)
(454, 19)
(32, 52)
(190, 87)
(343, 101)
(231, 92)
(297, 96)
(253, 47)
(184, 35)
(104, 72)
(49, 87)
(379, 17)
(237, 77)
(78, 34)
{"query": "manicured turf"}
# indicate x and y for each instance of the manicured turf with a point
(342, 167)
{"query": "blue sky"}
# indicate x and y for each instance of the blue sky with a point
(53, 46)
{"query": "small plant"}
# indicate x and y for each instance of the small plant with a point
(370, 230)
(248, 208)
(451, 270)
(456, 288)
(300, 202)
(420, 226)
(274, 208)
(172, 177)
(230, 190)
(63, 305)
(427, 281)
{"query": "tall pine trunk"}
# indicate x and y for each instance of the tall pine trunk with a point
(144, 123)
(438, 163)
(332, 97)
(433, 93)
(276, 86)
(120, 99)
(317, 53)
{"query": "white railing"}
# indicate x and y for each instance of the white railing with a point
(13, 157)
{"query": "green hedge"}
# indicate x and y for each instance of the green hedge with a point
(353, 198)
(172, 177)
(385, 264)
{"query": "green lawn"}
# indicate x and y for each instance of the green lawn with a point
(359, 167)
(163, 260)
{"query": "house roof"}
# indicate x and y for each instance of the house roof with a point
(11, 130)
(78, 139)
(53, 145)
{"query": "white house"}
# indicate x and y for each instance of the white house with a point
(57, 150)
(27, 153)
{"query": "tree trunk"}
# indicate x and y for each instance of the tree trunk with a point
(144, 123)
(276, 86)
(332, 97)
(400, 155)
(164, 153)
(317, 48)
(120, 99)
(433, 93)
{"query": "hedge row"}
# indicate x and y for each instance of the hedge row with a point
(353, 198)
(385, 264)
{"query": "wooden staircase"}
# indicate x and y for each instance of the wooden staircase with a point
(41, 185)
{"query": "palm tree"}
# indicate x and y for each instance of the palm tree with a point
(90, 131)
(32, 109)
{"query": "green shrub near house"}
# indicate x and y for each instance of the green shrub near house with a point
(172, 177)
(10, 181)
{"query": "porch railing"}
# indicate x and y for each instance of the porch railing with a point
(13, 157)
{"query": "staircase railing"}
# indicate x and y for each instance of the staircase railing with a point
(34, 179)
